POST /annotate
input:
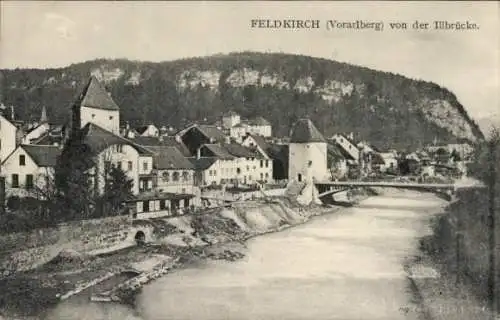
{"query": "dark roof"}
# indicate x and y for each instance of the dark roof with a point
(304, 131)
(260, 141)
(339, 148)
(94, 95)
(240, 151)
(211, 132)
(168, 157)
(258, 121)
(43, 155)
(219, 151)
(164, 141)
(377, 158)
(203, 163)
(278, 152)
(98, 139)
(335, 152)
(140, 130)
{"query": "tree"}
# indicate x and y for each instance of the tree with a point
(73, 182)
(117, 190)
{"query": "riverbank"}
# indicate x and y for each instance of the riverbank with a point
(186, 240)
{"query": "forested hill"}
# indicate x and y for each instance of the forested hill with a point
(384, 108)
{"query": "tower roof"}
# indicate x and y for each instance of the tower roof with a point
(304, 131)
(94, 95)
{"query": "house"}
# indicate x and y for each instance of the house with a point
(157, 204)
(29, 170)
(259, 144)
(347, 143)
(95, 105)
(107, 149)
(95, 127)
(174, 172)
(148, 131)
(8, 136)
(307, 153)
(337, 161)
(238, 128)
(212, 171)
(37, 130)
(196, 135)
(238, 164)
(390, 161)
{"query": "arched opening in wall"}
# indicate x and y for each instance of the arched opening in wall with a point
(140, 238)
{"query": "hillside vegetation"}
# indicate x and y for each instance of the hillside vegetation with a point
(384, 108)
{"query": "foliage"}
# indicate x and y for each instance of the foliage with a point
(75, 195)
(118, 189)
(398, 120)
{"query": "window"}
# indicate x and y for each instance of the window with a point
(119, 165)
(267, 163)
(119, 148)
(15, 181)
(175, 176)
(130, 166)
(267, 175)
(185, 176)
(29, 181)
(145, 206)
(261, 176)
(93, 116)
(215, 172)
(261, 163)
(166, 176)
(22, 160)
(110, 117)
(238, 170)
(145, 166)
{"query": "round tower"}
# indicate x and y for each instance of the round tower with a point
(307, 153)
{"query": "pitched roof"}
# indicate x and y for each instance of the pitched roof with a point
(43, 155)
(342, 151)
(168, 157)
(98, 139)
(211, 132)
(219, 151)
(304, 131)
(240, 151)
(278, 152)
(164, 141)
(258, 121)
(203, 163)
(94, 95)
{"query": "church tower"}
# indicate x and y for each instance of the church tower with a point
(307, 153)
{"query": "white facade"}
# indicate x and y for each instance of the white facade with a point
(151, 131)
(176, 181)
(241, 170)
(349, 147)
(7, 138)
(390, 160)
(36, 133)
(107, 119)
(240, 131)
(308, 161)
(128, 159)
(23, 176)
(230, 120)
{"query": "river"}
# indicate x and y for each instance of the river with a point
(344, 265)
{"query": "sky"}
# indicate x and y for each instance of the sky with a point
(56, 34)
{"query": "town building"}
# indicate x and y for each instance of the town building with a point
(346, 142)
(238, 128)
(8, 137)
(196, 135)
(148, 131)
(29, 170)
(37, 130)
(260, 145)
(337, 161)
(308, 153)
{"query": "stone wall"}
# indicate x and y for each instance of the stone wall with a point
(27, 250)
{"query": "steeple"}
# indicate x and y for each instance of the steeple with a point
(43, 117)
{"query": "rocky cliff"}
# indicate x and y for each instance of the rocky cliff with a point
(387, 109)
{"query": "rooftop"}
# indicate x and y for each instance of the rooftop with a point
(304, 131)
(94, 95)
(43, 155)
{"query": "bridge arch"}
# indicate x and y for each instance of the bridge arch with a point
(140, 237)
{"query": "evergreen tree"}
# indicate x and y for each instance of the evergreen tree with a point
(118, 189)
